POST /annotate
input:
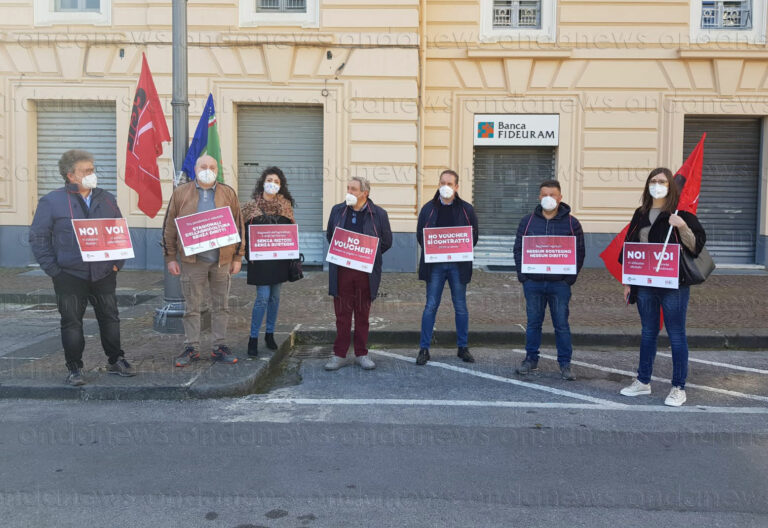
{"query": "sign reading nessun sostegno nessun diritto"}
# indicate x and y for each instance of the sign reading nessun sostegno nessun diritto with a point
(517, 129)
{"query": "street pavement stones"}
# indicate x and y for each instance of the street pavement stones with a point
(728, 311)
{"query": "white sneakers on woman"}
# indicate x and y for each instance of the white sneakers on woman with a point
(675, 399)
(636, 389)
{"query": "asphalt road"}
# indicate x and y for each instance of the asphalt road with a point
(448, 444)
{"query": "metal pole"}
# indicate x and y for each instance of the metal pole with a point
(168, 318)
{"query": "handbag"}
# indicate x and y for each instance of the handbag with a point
(295, 272)
(696, 270)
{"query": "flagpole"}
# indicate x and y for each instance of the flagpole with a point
(664, 249)
(168, 319)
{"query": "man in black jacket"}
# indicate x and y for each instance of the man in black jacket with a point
(446, 209)
(353, 291)
(552, 217)
(75, 282)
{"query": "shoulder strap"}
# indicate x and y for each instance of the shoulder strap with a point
(528, 225)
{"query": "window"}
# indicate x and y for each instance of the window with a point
(302, 13)
(281, 6)
(533, 20)
(734, 21)
(517, 14)
(726, 15)
(73, 12)
(78, 5)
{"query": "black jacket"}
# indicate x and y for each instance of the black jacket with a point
(52, 236)
(563, 224)
(378, 226)
(463, 215)
(266, 272)
(658, 234)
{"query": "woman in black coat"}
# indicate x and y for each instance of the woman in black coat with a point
(650, 223)
(271, 203)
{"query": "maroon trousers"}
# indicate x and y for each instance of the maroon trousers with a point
(354, 298)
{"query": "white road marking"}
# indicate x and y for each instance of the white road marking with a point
(511, 381)
(504, 404)
(656, 378)
(719, 364)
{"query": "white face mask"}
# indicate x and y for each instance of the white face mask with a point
(271, 187)
(90, 181)
(657, 190)
(351, 200)
(548, 203)
(206, 176)
(446, 192)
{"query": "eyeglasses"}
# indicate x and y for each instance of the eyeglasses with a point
(659, 182)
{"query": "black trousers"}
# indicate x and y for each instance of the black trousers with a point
(72, 297)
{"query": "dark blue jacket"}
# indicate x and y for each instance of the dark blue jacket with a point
(377, 225)
(563, 224)
(52, 236)
(463, 215)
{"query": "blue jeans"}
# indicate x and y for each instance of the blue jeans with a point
(537, 295)
(674, 303)
(439, 273)
(267, 300)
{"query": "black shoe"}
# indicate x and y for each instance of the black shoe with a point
(75, 378)
(527, 366)
(122, 368)
(465, 356)
(565, 373)
(423, 356)
(253, 346)
(269, 339)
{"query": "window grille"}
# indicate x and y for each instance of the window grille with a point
(726, 14)
(517, 14)
(281, 6)
(78, 5)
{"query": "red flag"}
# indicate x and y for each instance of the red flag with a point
(688, 178)
(610, 255)
(146, 134)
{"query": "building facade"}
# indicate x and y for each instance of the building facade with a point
(506, 92)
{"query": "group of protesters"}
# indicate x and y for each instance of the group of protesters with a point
(206, 276)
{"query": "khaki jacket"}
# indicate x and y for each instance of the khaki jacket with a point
(183, 203)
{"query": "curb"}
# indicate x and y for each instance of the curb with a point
(48, 297)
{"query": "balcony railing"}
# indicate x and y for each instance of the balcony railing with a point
(281, 6)
(726, 15)
(517, 14)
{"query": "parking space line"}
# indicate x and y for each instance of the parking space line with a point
(631, 374)
(511, 381)
(507, 404)
(719, 364)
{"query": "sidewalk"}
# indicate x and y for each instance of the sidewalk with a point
(728, 311)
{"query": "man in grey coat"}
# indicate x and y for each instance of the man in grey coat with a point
(53, 242)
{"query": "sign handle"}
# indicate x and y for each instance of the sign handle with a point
(664, 249)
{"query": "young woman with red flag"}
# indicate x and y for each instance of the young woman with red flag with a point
(651, 223)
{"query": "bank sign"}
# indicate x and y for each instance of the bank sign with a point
(516, 129)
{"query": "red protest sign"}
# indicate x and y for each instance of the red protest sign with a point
(103, 239)
(353, 250)
(273, 241)
(207, 230)
(640, 261)
(549, 255)
(448, 244)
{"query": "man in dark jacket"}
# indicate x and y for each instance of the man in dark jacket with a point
(552, 217)
(53, 242)
(353, 291)
(446, 209)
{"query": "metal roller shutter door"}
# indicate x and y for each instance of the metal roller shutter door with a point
(84, 125)
(289, 137)
(506, 188)
(728, 205)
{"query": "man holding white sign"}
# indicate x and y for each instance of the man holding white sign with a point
(549, 253)
(76, 279)
(358, 233)
(204, 213)
(447, 231)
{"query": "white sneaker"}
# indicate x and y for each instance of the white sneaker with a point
(676, 397)
(336, 363)
(365, 362)
(636, 389)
